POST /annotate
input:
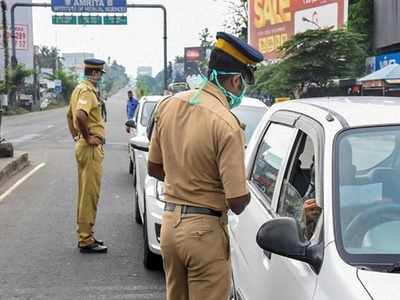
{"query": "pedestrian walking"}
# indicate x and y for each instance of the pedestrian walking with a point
(131, 107)
(88, 130)
(197, 149)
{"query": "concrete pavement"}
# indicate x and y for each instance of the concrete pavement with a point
(38, 254)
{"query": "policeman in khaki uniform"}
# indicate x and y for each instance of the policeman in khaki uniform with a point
(87, 128)
(197, 149)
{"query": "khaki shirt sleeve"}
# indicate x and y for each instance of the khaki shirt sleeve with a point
(87, 101)
(230, 161)
(155, 155)
(69, 112)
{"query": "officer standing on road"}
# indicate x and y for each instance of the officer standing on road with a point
(87, 128)
(197, 149)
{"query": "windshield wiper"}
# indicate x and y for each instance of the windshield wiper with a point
(395, 268)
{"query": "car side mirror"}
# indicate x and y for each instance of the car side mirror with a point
(131, 124)
(283, 236)
(140, 143)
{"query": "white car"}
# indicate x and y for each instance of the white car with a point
(324, 217)
(139, 124)
(151, 206)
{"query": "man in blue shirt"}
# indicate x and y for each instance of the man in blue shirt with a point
(131, 107)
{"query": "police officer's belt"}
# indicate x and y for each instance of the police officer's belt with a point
(187, 209)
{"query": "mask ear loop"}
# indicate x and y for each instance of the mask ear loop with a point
(195, 100)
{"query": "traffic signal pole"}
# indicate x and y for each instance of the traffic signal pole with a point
(150, 6)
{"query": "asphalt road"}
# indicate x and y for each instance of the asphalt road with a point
(38, 254)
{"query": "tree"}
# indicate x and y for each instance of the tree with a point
(316, 57)
(50, 58)
(206, 42)
(361, 20)
(68, 81)
(17, 77)
(237, 19)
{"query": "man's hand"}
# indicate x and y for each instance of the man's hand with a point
(94, 140)
(237, 205)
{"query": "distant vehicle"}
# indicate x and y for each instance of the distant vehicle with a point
(151, 205)
(44, 104)
(177, 87)
(324, 217)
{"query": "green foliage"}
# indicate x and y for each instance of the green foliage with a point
(237, 18)
(50, 58)
(17, 77)
(206, 42)
(316, 57)
(361, 20)
(69, 81)
(147, 85)
(114, 79)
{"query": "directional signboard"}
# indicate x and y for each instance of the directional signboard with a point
(90, 20)
(64, 20)
(115, 20)
(89, 6)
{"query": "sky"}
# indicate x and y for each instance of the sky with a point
(140, 43)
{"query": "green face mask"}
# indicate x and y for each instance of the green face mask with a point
(234, 100)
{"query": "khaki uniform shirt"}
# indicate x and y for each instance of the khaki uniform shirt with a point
(84, 98)
(201, 148)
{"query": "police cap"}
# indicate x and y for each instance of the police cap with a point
(244, 57)
(95, 64)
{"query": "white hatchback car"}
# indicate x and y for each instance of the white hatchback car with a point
(325, 203)
(151, 206)
(139, 124)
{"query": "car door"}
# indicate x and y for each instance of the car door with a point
(250, 264)
(300, 197)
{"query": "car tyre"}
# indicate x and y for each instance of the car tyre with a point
(138, 218)
(130, 167)
(151, 260)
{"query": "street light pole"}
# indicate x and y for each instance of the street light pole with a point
(158, 6)
(312, 22)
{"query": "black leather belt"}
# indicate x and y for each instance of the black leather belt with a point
(187, 209)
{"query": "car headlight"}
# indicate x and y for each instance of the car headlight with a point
(160, 191)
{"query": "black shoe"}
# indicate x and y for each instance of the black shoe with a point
(100, 242)
(93, 248)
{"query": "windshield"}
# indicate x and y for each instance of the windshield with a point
(368, 194)
(250, 116)
(146, 113)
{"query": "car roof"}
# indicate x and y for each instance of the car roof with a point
(249, 101)
(356, 111)
(152, 98)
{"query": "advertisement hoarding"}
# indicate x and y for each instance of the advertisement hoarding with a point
(21, 37)
(272, 22)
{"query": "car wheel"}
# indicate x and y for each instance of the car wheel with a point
(138, 218)
(150, 260)
(132, 167)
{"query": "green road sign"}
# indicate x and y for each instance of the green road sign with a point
(64, 20)
(90, 20)
(115, 20)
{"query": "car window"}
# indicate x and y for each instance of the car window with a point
(146, 112)
(135, 116)
(271, 154)
(372, 151)
(298, 199)
(368, 201)
(250, 116)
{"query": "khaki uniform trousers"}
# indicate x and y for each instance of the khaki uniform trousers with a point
(89, 159)
(195, 251)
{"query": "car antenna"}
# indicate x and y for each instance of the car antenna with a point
(329, 117)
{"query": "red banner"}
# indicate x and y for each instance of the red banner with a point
(272, 22)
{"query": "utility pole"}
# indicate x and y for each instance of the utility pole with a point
(6, 149)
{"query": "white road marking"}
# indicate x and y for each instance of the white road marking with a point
(19, 182)
(24, 138)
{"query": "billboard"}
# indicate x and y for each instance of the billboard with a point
(23, 35)
(272, 22)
